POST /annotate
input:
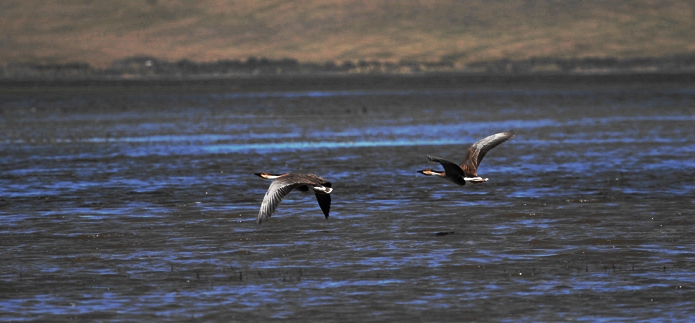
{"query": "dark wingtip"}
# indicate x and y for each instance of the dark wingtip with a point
(324, 203)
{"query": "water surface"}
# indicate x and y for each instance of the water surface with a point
(123, 203)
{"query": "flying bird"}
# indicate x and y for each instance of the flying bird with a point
(283, 184)
(467, 171)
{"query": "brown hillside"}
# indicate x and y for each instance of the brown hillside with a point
(100, 32)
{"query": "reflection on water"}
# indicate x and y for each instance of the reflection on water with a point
(137, 205)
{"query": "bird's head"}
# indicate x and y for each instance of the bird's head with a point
(269, 175)
(430, 172)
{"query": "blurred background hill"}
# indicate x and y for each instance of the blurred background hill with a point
(480, 35)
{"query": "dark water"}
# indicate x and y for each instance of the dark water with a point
(123, 203)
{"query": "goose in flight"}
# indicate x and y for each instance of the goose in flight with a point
(467, 171)
(283, 184)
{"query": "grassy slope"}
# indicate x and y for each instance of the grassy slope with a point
(99, 32)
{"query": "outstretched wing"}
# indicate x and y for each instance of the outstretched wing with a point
(453, 172)
(324, 203)
(324, 200)
(476, 152)
(450, 167)
(276, 192)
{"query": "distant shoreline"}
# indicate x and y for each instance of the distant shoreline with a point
(149, 68)
(353, 82)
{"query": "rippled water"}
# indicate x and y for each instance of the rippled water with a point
(122, 203)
